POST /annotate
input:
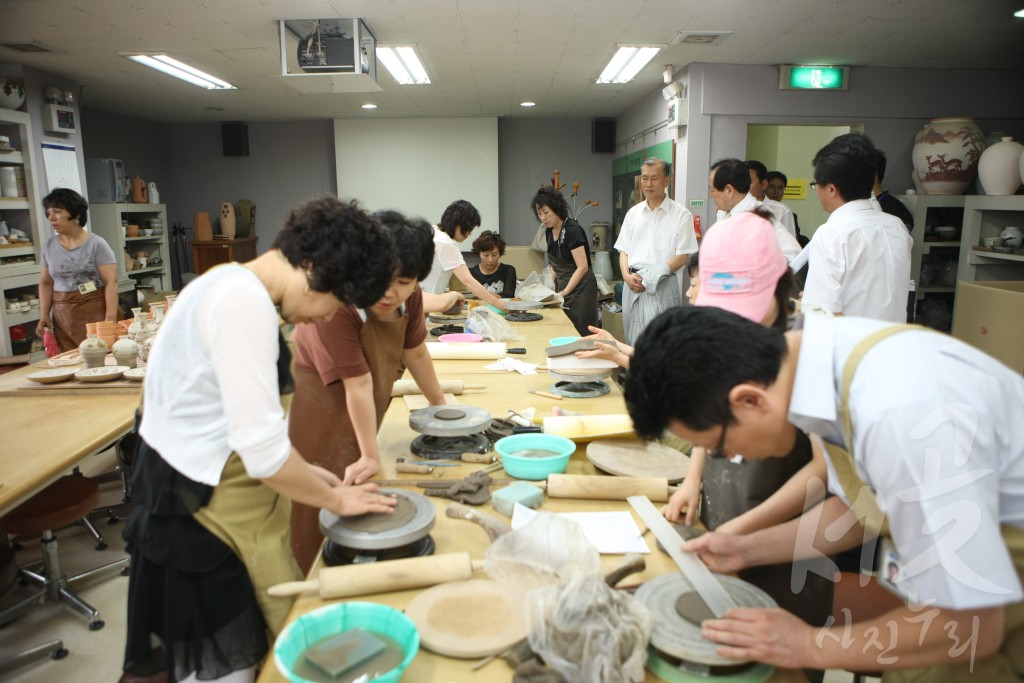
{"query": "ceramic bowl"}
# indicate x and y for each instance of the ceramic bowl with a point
(461, 338)
(518, 464)
(107, 373)
(946, 231)
(559, 341)
(135, 374)
(331, 620)
(147, 231)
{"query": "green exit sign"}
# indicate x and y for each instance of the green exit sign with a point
(696, 203)
(814, 77)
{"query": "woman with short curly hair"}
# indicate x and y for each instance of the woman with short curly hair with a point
(215, 467)
(499, 278)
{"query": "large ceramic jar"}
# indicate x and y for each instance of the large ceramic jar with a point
(999, 167)
(93, 351)
(126, 352)
(12, 93)
(946, 153)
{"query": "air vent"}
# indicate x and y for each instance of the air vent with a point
(700, 37)
(33, 46)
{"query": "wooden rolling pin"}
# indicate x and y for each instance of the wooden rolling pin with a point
(606, 488)
(589, 427)
(408, 387)
(383, 577)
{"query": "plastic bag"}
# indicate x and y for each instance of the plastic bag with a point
(546, 550)
(589, 632)
(538, 288)
(490, 325)
(540, 240)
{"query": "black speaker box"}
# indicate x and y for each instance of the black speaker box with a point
(235, 136)
(602, 135)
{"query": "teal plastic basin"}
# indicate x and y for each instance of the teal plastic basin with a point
(559, 341)
(534, 468)
(331, 620)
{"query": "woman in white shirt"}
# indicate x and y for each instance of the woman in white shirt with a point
(457, 222)
(215, 468)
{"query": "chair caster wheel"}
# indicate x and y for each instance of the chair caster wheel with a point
(59, 654)
(97, 625)
(126, 571)
(101, 546)
(113, 519)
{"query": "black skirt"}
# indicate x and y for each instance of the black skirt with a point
(188, 590)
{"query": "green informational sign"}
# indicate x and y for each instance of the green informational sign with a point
(696, 203)
(817, 77)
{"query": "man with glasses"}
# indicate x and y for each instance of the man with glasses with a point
(859, 260)
(925, 452)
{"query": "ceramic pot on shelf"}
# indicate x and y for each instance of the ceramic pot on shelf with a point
(999, 167)
(93, 351)
(140, 193)
(1012, 236)
(202, 229)
(12, 93)
(946, 153)
(126, 352)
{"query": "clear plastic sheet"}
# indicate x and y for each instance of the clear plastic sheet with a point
(490, 325)
(545, 551)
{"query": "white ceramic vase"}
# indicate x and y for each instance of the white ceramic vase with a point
(126, 352)
(227, 220)
(12, 93)
(93, 351)
(946, 153)
(999, 167)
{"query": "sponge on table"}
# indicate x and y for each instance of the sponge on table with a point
(504, 499)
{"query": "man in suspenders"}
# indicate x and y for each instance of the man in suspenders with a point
(925, 446)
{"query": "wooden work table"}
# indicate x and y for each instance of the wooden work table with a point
(46, 436)
(504, 391)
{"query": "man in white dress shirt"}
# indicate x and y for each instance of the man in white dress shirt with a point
(759, 188)
(654, 244)
(729, 183)
(859, 260)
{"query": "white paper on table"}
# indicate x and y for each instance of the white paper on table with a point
(513, 365)
(611, 533)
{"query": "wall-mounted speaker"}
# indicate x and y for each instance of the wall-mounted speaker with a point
(235, 136)
(602, 135)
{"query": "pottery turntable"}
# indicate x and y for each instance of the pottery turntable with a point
(519, 311)
(446, 432)
(378, 536)
(446, 329)
(590, 385)
(578, 377)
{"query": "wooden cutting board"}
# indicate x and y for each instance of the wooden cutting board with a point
(636, 458)
(469, 619)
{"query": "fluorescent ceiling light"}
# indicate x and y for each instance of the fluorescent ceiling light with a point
(1019, 14)
(403, 65)
(369, 105)
(172, 67)
(626, 63)
(527, 104)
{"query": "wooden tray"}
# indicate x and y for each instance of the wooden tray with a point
(15, 384)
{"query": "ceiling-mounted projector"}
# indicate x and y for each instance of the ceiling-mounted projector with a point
(328, 55)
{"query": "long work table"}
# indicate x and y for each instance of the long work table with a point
(504, 391)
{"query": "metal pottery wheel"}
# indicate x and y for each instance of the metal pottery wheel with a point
(580, 386)
(412, 519)
(677, 637)
(457, 420)
(523, 305)
(449, 447)
(446, 329)
(443, 319)
(523, 317)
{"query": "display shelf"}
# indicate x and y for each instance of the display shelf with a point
(929, 257)
(19, 277)
(980, 258)
(106, 222)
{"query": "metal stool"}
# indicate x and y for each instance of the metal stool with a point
(65, 501)
(53, 649)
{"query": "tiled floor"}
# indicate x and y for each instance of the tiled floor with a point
(95, 656)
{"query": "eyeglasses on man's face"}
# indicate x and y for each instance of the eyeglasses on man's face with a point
(719, 450)
(813, 184)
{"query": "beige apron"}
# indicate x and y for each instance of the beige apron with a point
(321, 430)
(1005, 665)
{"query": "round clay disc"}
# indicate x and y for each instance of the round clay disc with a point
(351, 532)
(634, 458)
(383, 521)
(680, 637)
(691, 606)
(448, 421)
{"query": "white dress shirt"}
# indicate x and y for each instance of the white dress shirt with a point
(783, 213)
(653, 237)
(860, 264)
(937, 434)
(447, 257)
(790, 247)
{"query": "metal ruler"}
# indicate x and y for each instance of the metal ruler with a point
(704, 582)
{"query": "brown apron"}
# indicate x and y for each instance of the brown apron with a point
(1005, 665)
(71, 311)
(321, 430)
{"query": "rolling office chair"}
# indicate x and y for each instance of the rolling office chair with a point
(53, 649)
(60, 504)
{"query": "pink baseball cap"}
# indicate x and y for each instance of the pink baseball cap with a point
(740, 264)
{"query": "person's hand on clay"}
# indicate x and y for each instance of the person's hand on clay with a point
(361, 470)
(772, 636)
(607, 347)
(722, 553)
(686, 498)
(350, 501)
(453, 299)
